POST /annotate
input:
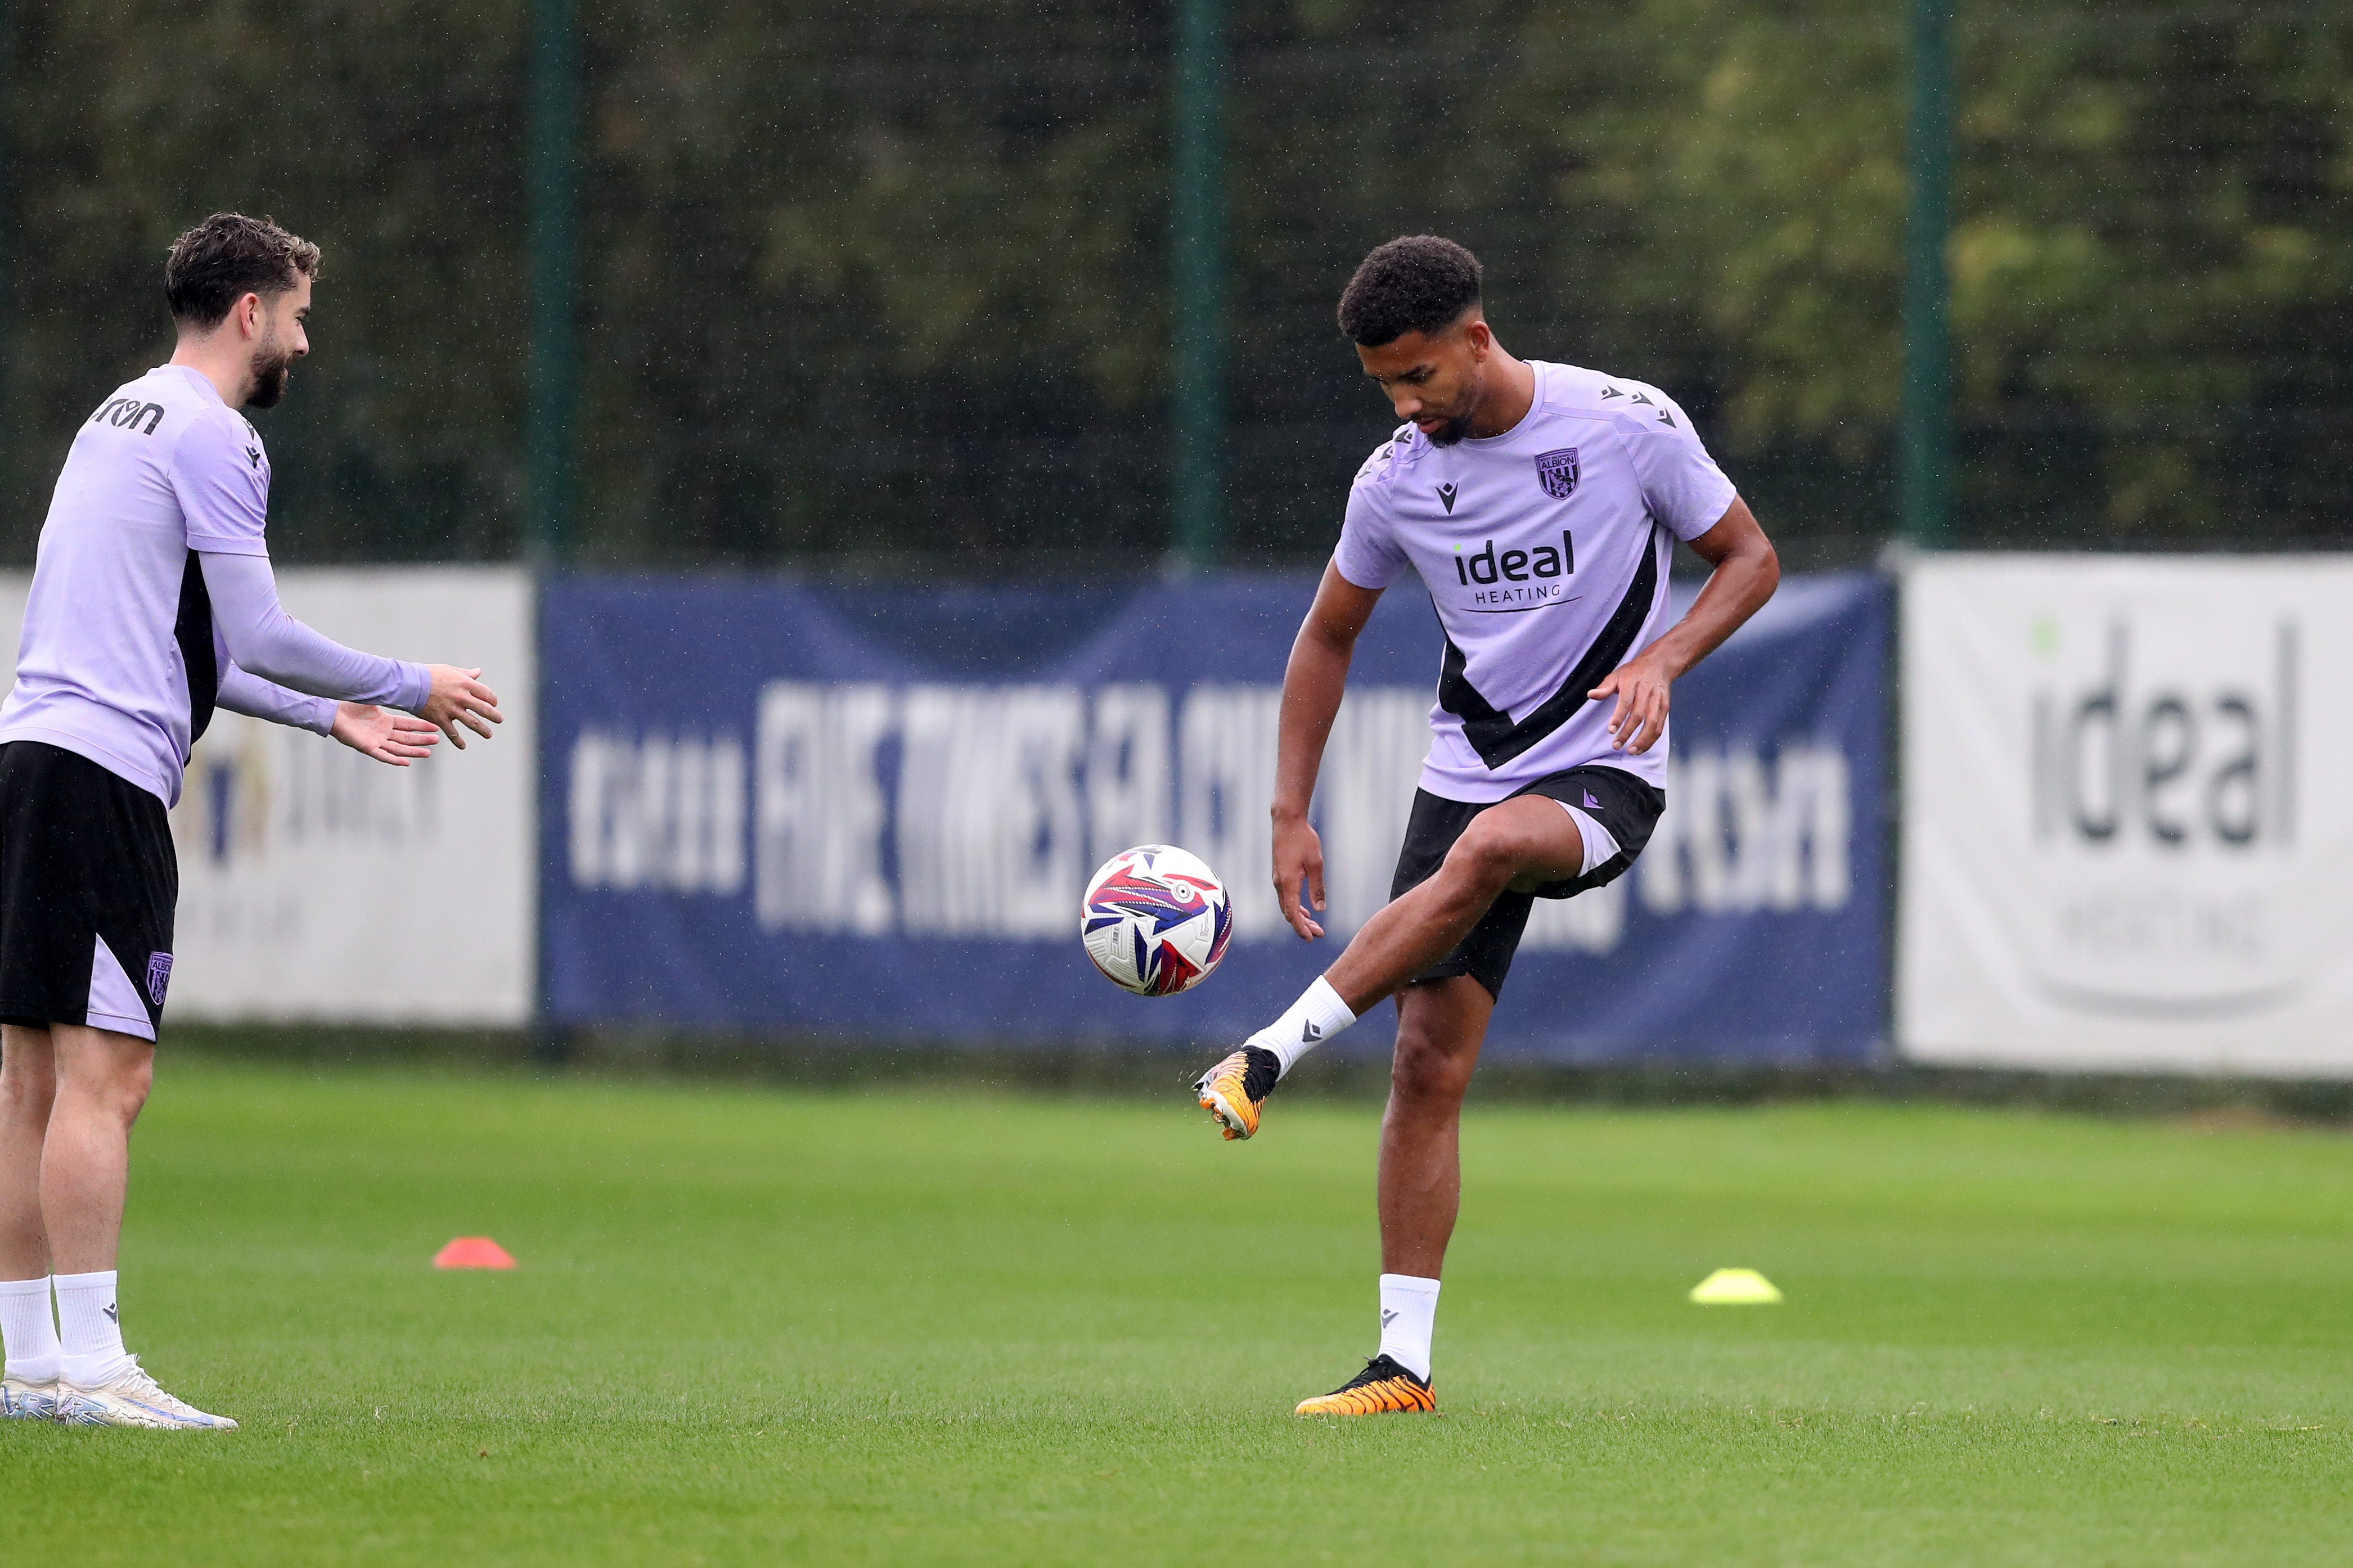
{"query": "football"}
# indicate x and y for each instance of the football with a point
(1156, 919)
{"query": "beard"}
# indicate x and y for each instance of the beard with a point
(273, 367)
(1453, 430)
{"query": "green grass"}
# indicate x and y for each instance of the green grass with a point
(925, 1328)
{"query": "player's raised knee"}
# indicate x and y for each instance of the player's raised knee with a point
(1496, 848)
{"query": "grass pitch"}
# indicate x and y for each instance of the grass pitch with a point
(754, 1327)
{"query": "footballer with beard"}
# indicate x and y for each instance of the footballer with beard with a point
(153, 604)
(1538, 503)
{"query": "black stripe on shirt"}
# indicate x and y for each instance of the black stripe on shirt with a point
(194, 632)
(1492, 735)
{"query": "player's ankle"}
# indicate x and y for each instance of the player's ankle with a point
(1316, 1016)
(90, 1329)
(1409, 1314)
(93, 1371)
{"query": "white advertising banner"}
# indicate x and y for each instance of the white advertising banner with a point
(316, 884)
(2126, 844)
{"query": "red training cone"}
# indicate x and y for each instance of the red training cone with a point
(473, 1252)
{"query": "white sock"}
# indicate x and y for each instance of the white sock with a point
(89, 1330)
(27, 1330)
(1409, 1312)
(1315, 1018)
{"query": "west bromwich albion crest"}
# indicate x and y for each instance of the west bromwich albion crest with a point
(1557, 472)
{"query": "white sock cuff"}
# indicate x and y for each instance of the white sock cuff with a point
(1408, 1313)
(89, 1327)
(1325, 1003)
(26, 1330)
(1315, 1018)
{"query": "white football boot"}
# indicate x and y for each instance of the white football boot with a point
(130, 1398)
(23, 1401)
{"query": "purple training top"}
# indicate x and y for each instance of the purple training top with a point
(121, 613)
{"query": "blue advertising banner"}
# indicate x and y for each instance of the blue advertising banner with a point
(869, 812)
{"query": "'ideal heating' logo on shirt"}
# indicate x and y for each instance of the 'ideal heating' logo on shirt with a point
(1543, 570)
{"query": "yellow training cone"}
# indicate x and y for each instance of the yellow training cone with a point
(1734, 1288)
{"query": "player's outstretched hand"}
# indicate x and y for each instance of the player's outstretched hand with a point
(460, 697)
(1639, 718)
(1299, 856)
(385, 733)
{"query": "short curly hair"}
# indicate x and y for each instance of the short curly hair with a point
(228, 257)
(1415, 283)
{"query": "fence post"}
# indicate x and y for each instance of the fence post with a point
(555, 116)
(1198, 242)
(1927, 425)
(555, 201)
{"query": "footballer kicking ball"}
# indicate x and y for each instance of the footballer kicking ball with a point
(1156, 919)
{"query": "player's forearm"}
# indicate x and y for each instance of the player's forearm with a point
(263, 639)
(242, 691)
(1743, 579)
(1313, 685)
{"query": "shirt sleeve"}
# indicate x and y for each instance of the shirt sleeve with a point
(1681, 483)
(265, 640)
(1368, 554)
(221, 476)
(249, 694)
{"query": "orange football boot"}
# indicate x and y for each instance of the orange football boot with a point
(1382, 1388)
(1234, 1089)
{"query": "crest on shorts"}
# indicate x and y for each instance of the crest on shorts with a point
(159, 975)
(1556, 471)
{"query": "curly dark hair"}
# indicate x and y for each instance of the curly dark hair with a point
(228, 257)
(1415, 283)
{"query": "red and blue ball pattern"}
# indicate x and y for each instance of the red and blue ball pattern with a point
(1155, 921)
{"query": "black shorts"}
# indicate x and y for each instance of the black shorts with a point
(1615, 798)
(88, 880)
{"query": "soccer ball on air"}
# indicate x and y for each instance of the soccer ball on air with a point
(1156, 919)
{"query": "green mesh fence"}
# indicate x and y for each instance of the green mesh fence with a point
(884, 287)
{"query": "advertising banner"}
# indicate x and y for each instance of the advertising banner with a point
(2120, 849)
(869, 813)
(318, 884)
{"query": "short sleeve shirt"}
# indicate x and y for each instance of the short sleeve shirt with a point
(164, 468)
(1544, 550)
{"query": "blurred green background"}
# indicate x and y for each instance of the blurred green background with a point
(886, 286)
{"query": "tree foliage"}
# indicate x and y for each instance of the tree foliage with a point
(887, 281)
